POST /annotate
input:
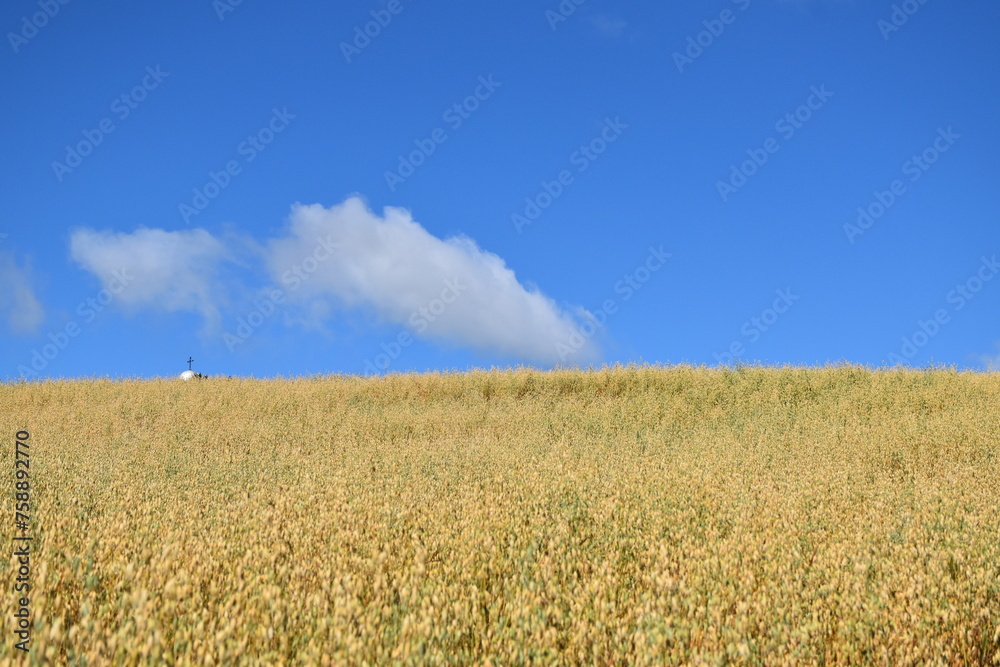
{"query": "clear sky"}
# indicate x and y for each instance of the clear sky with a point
(364, 187)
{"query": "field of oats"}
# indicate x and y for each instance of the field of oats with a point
(638, 515)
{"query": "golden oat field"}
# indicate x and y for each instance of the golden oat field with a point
(630, 515)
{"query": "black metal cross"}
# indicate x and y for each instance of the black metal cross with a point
(190, 361)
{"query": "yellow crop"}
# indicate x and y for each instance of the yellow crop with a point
(635, 515)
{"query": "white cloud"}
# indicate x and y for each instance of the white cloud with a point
(344, 257)
(18, 305)
(392, 266)
(170, 271)
(608, 26)
(992, 362)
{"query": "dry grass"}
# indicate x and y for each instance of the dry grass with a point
(627, 516)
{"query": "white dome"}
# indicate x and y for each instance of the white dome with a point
(187, 375)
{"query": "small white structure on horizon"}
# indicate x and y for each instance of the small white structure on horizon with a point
(190, 374)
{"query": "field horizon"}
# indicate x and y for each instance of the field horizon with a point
(627, 515)
(739, 366)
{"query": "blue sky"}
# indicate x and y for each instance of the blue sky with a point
(396, 186)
